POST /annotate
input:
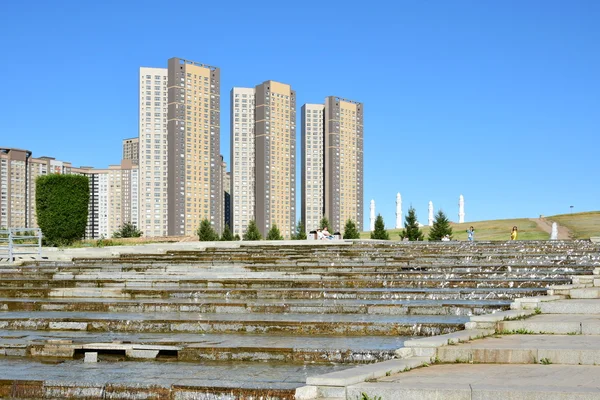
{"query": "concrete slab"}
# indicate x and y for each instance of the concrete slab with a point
(362, 373)
(561, 324)
(487, 382)
(573, 306)
(450, 338)
(526, 349)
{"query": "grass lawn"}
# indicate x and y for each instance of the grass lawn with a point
(485, 230)
(582, 225)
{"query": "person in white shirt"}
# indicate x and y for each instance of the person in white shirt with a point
(326, 234)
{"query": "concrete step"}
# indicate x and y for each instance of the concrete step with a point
(277, 293)
(572, 306)
(200, 348)
(587, 293)
(560, 324)
(480, 381)
(243, 281)
(319, 306)
(525, 349)
(297, 324)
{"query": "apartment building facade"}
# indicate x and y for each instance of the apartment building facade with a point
(131, 148)
(242, 159)
(153, 163)
(332, 163)
(275, 157)
(193, 125)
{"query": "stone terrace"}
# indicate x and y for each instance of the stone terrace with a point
(253, 319)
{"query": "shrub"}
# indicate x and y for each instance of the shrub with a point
(274, 233)
(62, 207)
(252, 232)
(350, 231)
(380, 232)
(411, 230)
(206, 233)
(127, 230)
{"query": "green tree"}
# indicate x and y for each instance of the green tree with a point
(380, 232)
(227, 236)
(411, 226)
(350, 231)
(252, 232)
(274, 233)
(62, 207)
(127, 230)
(300, 232)
(237, 237)
(324, 222)
(441, 227)
(206, 233)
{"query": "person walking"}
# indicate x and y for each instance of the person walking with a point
(470, 233)
(514, 233)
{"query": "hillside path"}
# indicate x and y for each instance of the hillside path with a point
(546, 226)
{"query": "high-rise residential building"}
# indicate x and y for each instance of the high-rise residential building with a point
(343, 162)
(227, 198)
(275, 157)
(131, 149)
(97, 223)
(195, 171)
(313, 154)
(332, 163)
(18, 173)
(153, 164)
(113, 198)
(242, 159)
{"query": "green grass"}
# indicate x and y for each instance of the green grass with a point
(484, 230)
(582, 225)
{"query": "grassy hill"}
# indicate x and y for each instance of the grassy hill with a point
(582, 225)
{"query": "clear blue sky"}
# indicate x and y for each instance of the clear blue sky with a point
(497, 100)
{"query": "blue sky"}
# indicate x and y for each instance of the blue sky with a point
(495, 100)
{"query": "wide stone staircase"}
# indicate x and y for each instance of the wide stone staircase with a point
(255, 320)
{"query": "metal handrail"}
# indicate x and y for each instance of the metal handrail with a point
(15, 236)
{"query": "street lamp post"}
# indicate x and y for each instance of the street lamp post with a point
(571, 207)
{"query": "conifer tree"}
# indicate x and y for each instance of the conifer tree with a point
(226, 236)
(441, 227)
(127, 230)
(274, 233)
(350, 231)
(380, 232)
(411, 226)
(300, 232)
(252, 232)
(237, 237)
(324, 222)
(206, 233)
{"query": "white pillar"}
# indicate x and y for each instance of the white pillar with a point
(554, 234)
(372, 220)
(398, 211)
(461, 209)
(431, 213)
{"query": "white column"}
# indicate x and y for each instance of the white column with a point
(461, 209)
(372, 219)
(398, 211)
(430, 213)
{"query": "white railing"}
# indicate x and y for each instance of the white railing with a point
(20, 241)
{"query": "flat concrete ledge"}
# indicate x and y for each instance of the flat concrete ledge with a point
(450, 338)
(502, 316)
(362, 373)
(531, 303)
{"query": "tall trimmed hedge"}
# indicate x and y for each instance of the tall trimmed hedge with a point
(62, 207)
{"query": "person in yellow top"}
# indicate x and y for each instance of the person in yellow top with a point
(513, 234)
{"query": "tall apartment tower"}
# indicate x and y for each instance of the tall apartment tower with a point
(131, 150)
(153, 168)
(275, 157)
(14, 194)
(242, 159)
(194, 163)
(313, 154)
(343, 162)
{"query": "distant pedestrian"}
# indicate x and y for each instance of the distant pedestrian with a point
(514, 233)
(470, 233)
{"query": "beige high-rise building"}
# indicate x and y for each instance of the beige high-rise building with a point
(131, 150)
(343, 162)
(195, 170)
(242, 159)
(275, 157)
(153, 163)
(313, 154)
(98, 214)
